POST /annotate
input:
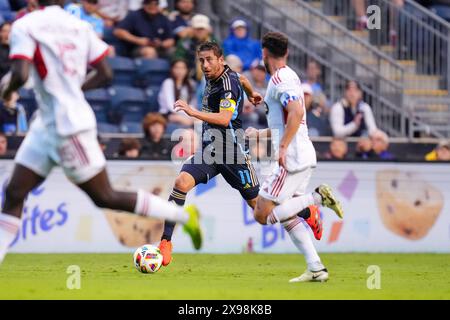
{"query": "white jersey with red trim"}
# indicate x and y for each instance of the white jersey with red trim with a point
(60, 47)
(284, 87)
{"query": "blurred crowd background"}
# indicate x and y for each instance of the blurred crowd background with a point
(152, 52)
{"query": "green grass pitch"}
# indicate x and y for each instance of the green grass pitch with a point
(241, 276)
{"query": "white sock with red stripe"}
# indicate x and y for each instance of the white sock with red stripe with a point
(9, 226)
(301, 238)
(291, 207)
(153, 206)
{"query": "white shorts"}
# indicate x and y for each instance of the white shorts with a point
(79, 155)
(282, 185)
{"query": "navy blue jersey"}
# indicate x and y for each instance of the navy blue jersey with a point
(224, 93)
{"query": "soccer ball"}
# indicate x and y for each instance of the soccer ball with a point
(147, 259)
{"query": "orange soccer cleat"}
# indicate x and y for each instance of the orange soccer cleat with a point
(165, 247)
(315, 222)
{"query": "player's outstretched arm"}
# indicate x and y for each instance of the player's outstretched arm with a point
(221, 118)
(102, 75)
(20, 70)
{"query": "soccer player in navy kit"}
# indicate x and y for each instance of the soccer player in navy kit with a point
(223, 151)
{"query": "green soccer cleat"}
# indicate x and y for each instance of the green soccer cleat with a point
(192, 227)
(329, 200)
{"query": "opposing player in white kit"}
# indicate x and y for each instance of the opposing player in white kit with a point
(283, 194)
(57, 48)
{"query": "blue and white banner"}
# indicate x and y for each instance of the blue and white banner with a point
(389, 207)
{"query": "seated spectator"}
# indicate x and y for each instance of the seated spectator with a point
(32, 5)
(440, 153)
(154, 146)
(317, 125)
(13, 118)
(338, 150)
(351, 116)
(181, 18)
(112, 11)
(364, 149)
(147, 32)
(313, 74)
(187, 146)
(129, 148)
(5, 63)
(242, 45)
(177, 87)
(186, 47)
(86, 11)
(3, 144)
(380, 145)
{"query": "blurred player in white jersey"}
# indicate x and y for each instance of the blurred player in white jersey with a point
(56, 48)
(283, 196)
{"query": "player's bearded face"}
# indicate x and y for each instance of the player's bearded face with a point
(212, 66)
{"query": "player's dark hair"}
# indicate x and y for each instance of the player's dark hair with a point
(276, 43)
(48, 2)
(213, 46)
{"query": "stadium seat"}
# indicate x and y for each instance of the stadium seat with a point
(130, 103)
(131, 127)
(152, 98)
(124, 70)
(100, 102)
(104, 127)
(28, 100)
(151, 72)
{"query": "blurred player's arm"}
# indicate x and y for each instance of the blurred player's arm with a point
(254, 97)
(99, 77)
(20, 71)
(253, 133)
(221, 118)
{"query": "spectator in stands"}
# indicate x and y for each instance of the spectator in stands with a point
(361, 17)
(5, 63)
(338, 149)
(364, 149)
(112, 11)
(317, 125)
(32, 5)
(13, 118)
(86, 11)
(154, 146)
(129, 148)
(3, 144)
(242, 45)
(351, 116)
(103, 143)
(178, 86)
(147, 32)
(181, 18)
(257, 77)
(439, 7)
(186, 47)
(380, 145)
(440, 153)
(313, 74)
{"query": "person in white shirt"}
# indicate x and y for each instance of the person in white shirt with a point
(351, 116)
(282, 197)
(56, 48)
(177, 86)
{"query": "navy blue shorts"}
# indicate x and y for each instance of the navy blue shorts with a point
(241, 177)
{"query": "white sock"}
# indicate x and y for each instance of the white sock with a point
(301, 237)
(291, 207)
(9, 226)
(153, 206)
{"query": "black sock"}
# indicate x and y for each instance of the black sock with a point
(179, 198)
(305, 213)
